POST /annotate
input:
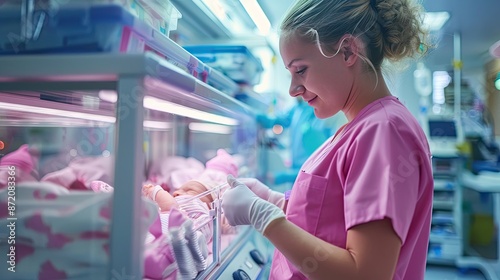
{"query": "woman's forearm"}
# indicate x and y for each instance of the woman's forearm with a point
(312, 256)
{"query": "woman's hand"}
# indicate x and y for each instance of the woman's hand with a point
(241, 206)
(264, 191)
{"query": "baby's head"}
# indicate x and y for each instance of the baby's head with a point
(193, 188)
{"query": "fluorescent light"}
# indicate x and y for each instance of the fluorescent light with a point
(433, 21)
(210, 128)
(176, 109)
(257, 15)
(149, 102)
(216, 7)
(224, 16)
(56, 112)
(172, 108)
(157, 125)
(75, 115)
(229, 18)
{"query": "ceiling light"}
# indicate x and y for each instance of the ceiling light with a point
(225, 12)
(257, 15)
(224, 15)
(216, 7)
(433, 21)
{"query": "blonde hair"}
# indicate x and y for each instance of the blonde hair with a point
(391, 29)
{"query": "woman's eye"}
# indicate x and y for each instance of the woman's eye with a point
(301, 71)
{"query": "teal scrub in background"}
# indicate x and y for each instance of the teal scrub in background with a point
(306, 132)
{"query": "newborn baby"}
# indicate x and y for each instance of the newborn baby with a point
(167, 201)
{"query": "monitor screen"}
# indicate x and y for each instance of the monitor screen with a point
(442, 128)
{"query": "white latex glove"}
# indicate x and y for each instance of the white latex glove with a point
(243, 207)
(264, 191)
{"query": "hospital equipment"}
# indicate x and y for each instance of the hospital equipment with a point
(443, 134)
(138, 108)
(446, 236)
(485, 183)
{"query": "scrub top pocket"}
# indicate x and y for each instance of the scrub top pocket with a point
(306, 201)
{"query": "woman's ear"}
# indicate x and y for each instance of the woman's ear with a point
(349, 48)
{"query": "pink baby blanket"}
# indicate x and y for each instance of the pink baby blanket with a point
(59, 234)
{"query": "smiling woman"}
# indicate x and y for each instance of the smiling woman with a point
(356, 197)
(311, 71)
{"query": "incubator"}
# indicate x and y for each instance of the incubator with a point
(69, 122)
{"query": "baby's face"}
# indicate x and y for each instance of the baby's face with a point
(193, 188)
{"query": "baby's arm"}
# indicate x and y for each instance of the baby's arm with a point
(164, 199)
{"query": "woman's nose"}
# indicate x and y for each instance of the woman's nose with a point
(296, 90)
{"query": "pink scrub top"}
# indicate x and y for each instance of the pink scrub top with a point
(378, 167)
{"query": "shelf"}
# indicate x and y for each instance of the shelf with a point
(444, 238)
(491, 269)
(489, 182)
(443, 218)
(445, 241)
(101, 71)
(443, 185)
(444, 250)
(443, 205)
(440, 261)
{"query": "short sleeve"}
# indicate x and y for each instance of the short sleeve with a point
(382, 177)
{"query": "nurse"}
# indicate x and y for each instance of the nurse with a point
(361, 205)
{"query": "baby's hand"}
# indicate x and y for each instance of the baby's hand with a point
(147, 190)
(157, 194)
